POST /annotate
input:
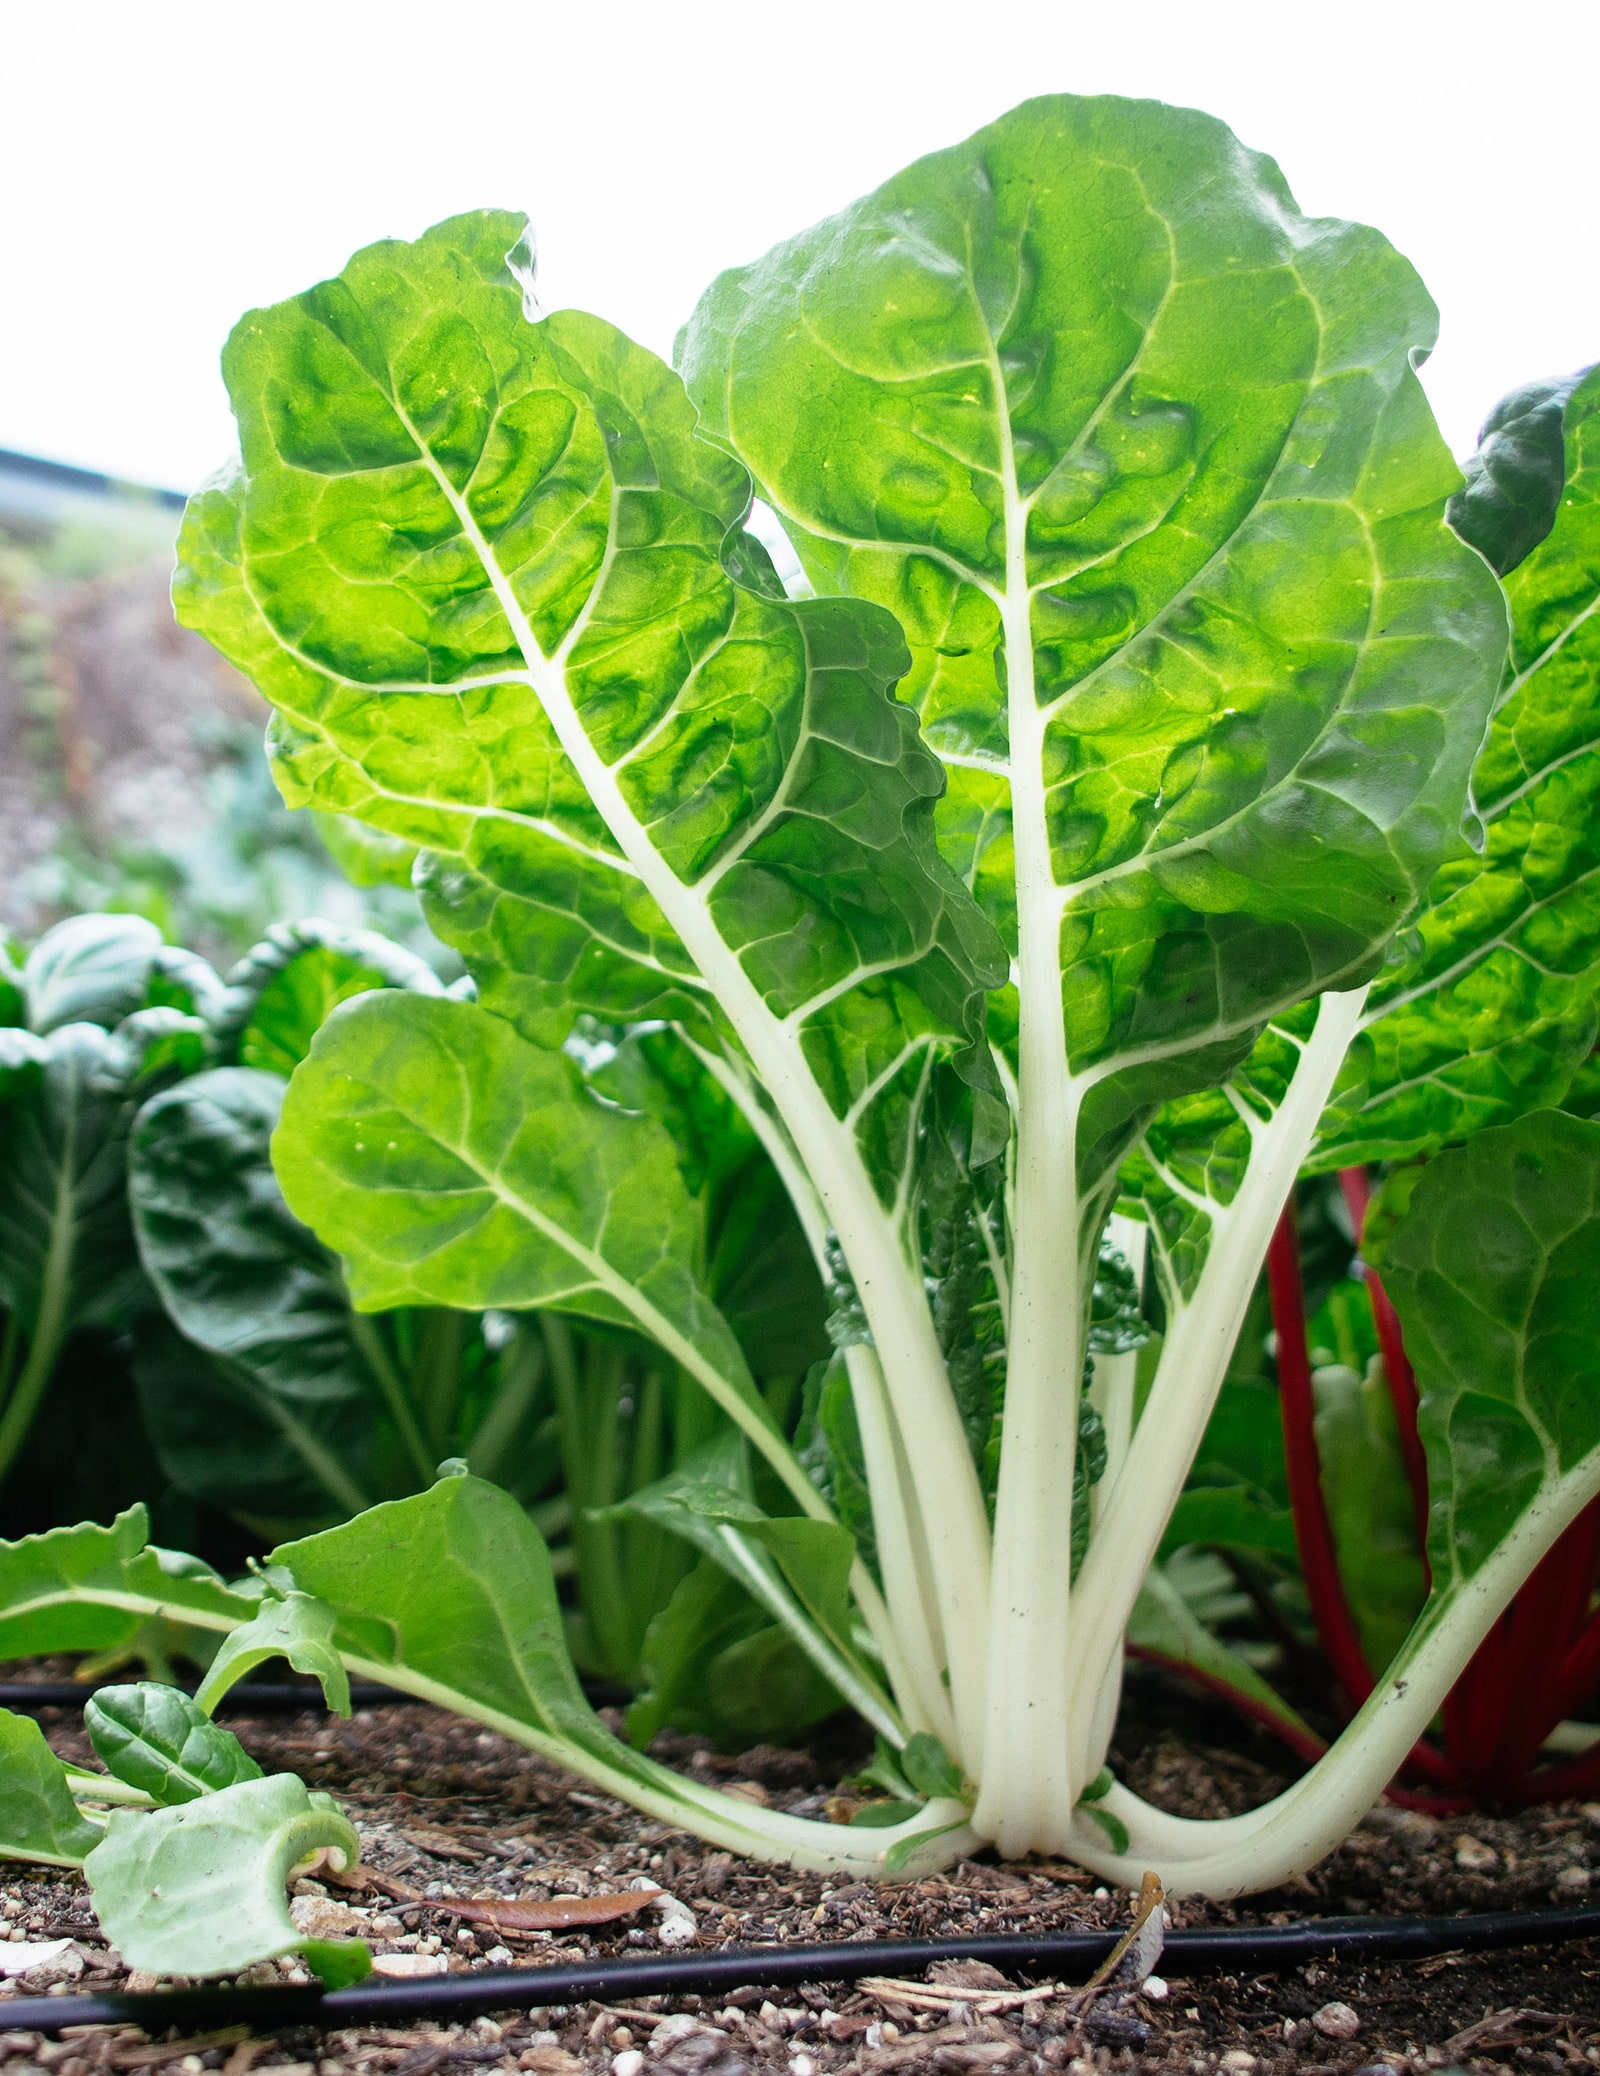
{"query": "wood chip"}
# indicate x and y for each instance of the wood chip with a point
(175, 2050)
(1496, 2025)
(442, 1845)
(925, 1996)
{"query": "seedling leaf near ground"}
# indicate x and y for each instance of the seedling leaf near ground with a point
(157, 1739)
(199, 1889)
(291, 1626)
(39, 1820)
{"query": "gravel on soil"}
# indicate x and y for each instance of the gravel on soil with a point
(448, 1812)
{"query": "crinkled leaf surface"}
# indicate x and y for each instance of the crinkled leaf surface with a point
(1494, 1269)
(160, 1739)
(200, 1889)
(1492, 1011)
(493, 582)
(452, 1162)
(1515, 479)
(1136, 454)
(221, 1435)
(39, 1820)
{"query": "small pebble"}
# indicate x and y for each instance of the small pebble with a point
(1237, 2058)
(1336, 2022)
(408, 1964)
(1574, 1878)
(1155, 1988)
(1474, 1857)
(628, 2063)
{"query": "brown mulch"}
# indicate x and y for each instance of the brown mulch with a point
(447, 1811)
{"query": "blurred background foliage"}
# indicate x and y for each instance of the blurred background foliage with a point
(131, 773)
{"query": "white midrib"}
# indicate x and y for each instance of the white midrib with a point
(1189, 1375)
(1026, 1798)
(901, 1625)
(894, 1304)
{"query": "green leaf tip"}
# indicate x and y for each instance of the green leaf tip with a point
(1514, 480)
(297, 1627)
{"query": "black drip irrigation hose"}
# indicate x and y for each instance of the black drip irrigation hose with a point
(1235, 1949)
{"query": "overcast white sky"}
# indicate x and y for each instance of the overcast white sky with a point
(166, 164)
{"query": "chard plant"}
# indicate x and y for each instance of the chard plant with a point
(1021, 883)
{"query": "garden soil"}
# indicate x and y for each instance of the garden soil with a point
(449, 1813)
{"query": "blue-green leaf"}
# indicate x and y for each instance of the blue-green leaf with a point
(200, 1889)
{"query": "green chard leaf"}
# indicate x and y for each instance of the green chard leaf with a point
(158, 1739)
(237, 1272)
(91, 1588)
(1494, 1269)
(39, 1820)
(452, 1162)
(1370, 1507)
(796, 1568)
(1192, 570)
(293, 1626)
(450, 1594)
(221, 1435)
(715, 1667)
(67, 1256)
(91, 969)
(453, 1582)
(1509, 501)
(1165, 1630)
(757, 1263)
(495, 586)
(1491, 1009)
